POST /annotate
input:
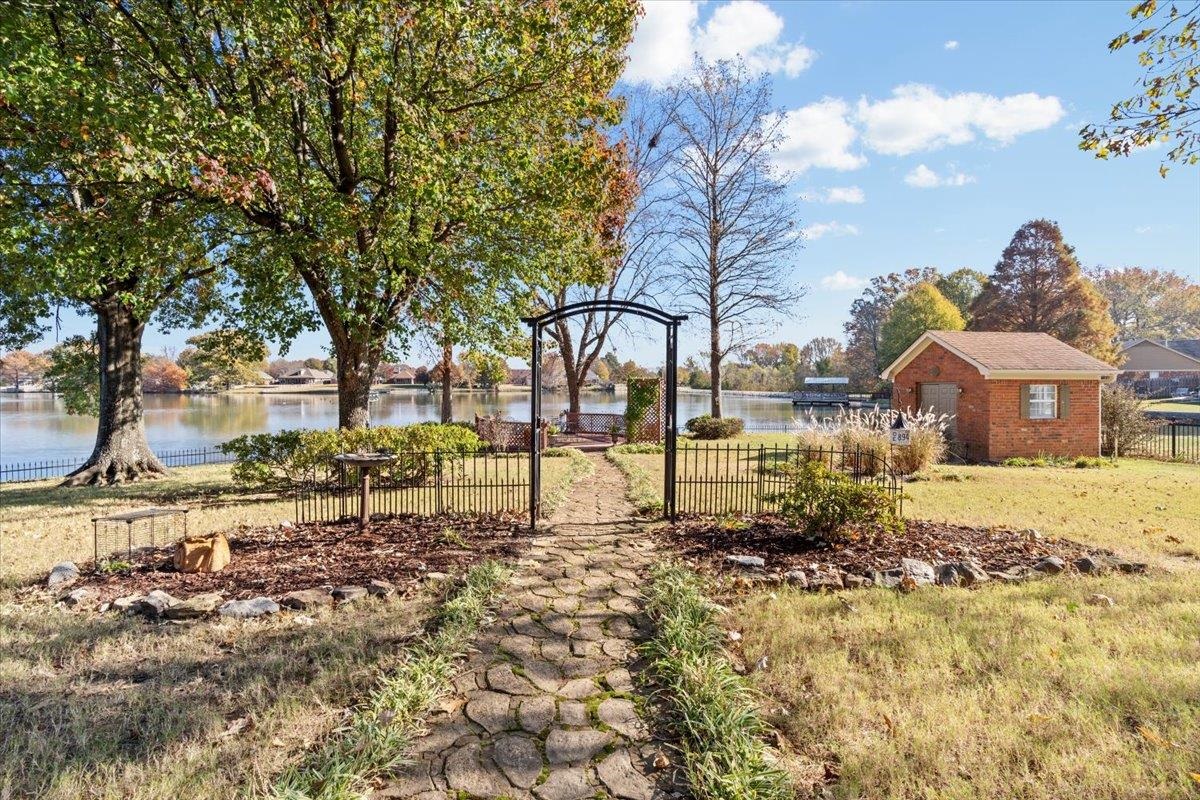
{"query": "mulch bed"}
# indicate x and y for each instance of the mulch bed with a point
(275, 560)
(996, 549)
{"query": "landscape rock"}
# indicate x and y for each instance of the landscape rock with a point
(77, 598)
(1032, 535)
(381, 588)
(857, 581)
(1050, 565)
(154, 604)
(920, 571)
(888, 579)
(746, 562)
(960, 573)
(796, 577)
(1016, 574)
(827, 580)
(348, 594)
(1091, 564)
(1131, 567)
(248, 609)
(194, 607)
(306, 599)
(1101, 600)
(126, 603)
(62, 575)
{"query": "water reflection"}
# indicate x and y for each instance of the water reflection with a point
(34, 427)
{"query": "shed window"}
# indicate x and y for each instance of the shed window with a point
(1043, 401)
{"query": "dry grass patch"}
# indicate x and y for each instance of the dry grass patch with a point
(1142, 507)
(1018, 691)
(111, 707)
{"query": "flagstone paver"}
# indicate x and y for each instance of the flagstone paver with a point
(546, 707)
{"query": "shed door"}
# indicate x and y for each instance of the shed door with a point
(941, 398)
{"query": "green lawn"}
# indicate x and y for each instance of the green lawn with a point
(1178, 405)
(1023, 691)
(1143, 508)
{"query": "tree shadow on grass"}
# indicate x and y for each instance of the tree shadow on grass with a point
(106, 706)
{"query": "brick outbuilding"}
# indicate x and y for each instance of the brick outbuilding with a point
(1011, 394)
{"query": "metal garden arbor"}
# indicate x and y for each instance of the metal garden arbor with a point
(537, 325)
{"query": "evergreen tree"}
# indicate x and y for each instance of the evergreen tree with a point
(1038, 286)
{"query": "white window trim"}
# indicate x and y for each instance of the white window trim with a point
(1038, 406)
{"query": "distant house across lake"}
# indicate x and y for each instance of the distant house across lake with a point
(306, 376)
(1009, 394)
(396, 374)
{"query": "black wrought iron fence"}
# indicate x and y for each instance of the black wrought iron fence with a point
(1172, 441)
(55, 468)
(426, 483)
(739, 478)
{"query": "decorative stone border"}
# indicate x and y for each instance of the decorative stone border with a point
(160, 605)
(911, 573)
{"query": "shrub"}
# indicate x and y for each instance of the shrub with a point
(1079, 462)
(1123, 423)
(821, 500)
(707, 426)
(868, 434)
(296, 457)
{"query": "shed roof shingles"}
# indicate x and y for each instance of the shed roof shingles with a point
(1005, 350)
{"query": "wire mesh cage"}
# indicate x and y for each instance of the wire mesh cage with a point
(147, 528)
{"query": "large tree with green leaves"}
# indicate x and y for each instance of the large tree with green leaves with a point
(1037, 285)
(86, 219)
(618, 254)
(868, 313)
(1154, 303)
(372, 148)
(922, 308)
(1166, 108)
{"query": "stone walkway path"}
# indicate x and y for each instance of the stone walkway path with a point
(547, 707)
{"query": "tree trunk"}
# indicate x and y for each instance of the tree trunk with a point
(122, 453)
(355, 370)
(714, 365)
(566, 349)
(447, 382)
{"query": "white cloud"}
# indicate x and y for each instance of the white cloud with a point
(916, 117)
(951, 44)
(818, 135)
(842, 194)
(1142, 230)
(819, 229)
(841, 282)
(924, 178)
(668, 35)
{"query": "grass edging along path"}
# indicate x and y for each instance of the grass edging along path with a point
(713, 709)
(643, 493)
(379, 733)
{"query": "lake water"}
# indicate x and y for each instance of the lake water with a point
(35, 427)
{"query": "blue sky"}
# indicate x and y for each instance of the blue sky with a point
(924, 134)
